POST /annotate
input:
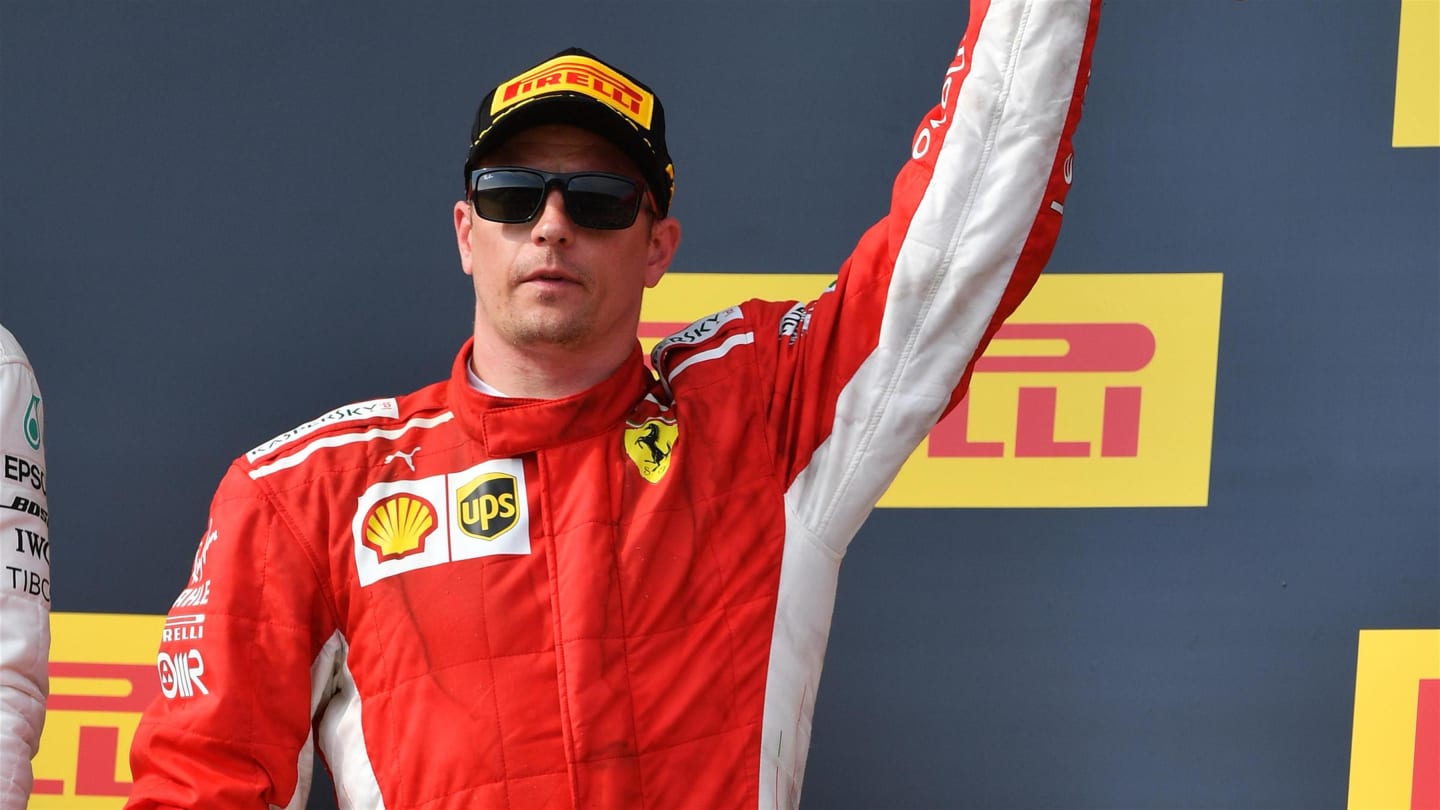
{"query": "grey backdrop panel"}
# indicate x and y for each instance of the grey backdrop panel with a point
(218, 220)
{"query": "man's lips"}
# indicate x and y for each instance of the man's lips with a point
(550, 275)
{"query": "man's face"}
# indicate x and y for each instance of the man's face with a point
(549, 283)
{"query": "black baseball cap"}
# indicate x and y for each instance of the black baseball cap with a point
(575, 87)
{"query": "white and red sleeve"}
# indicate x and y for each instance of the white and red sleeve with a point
(25, 582)
(974, 215)
(861, 374)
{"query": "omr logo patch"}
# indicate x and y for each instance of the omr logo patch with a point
(403, 526)
(487, 505)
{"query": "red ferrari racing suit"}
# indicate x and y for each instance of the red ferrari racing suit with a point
(619, 599)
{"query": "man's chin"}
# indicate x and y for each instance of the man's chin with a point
(560, 333)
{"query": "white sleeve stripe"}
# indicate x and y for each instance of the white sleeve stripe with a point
(339, 729)
(713, 354)
(350, 438)
(961, 246)
(959, 255)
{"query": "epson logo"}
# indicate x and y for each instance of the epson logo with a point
(22, 471)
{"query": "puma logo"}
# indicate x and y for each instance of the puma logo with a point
(406, 457)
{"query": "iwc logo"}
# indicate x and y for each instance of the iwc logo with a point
(649, 445)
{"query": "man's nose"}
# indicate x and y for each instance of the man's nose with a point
(552, 224)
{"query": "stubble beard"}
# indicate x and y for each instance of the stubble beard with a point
(540, 325)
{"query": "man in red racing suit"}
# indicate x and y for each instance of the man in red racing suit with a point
(618, 598)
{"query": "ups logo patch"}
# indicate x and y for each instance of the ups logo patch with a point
(487, 505)
(649, 445)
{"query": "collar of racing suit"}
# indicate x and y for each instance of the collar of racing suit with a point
(515, 426)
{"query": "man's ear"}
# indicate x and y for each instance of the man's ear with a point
(664, 240)
(463, 224)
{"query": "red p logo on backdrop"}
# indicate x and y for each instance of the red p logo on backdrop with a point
(1089, 348)
(102, 676)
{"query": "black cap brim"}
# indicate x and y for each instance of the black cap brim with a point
(574, 109)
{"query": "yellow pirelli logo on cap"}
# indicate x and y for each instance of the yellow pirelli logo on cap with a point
(578, 74)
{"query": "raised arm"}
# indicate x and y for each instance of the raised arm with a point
(865, 370)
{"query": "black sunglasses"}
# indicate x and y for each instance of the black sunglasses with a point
(592, 199)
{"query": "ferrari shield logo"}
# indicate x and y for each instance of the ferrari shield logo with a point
(650, 445)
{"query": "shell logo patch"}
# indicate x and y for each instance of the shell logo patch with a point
(649, 445)
(397, 526)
